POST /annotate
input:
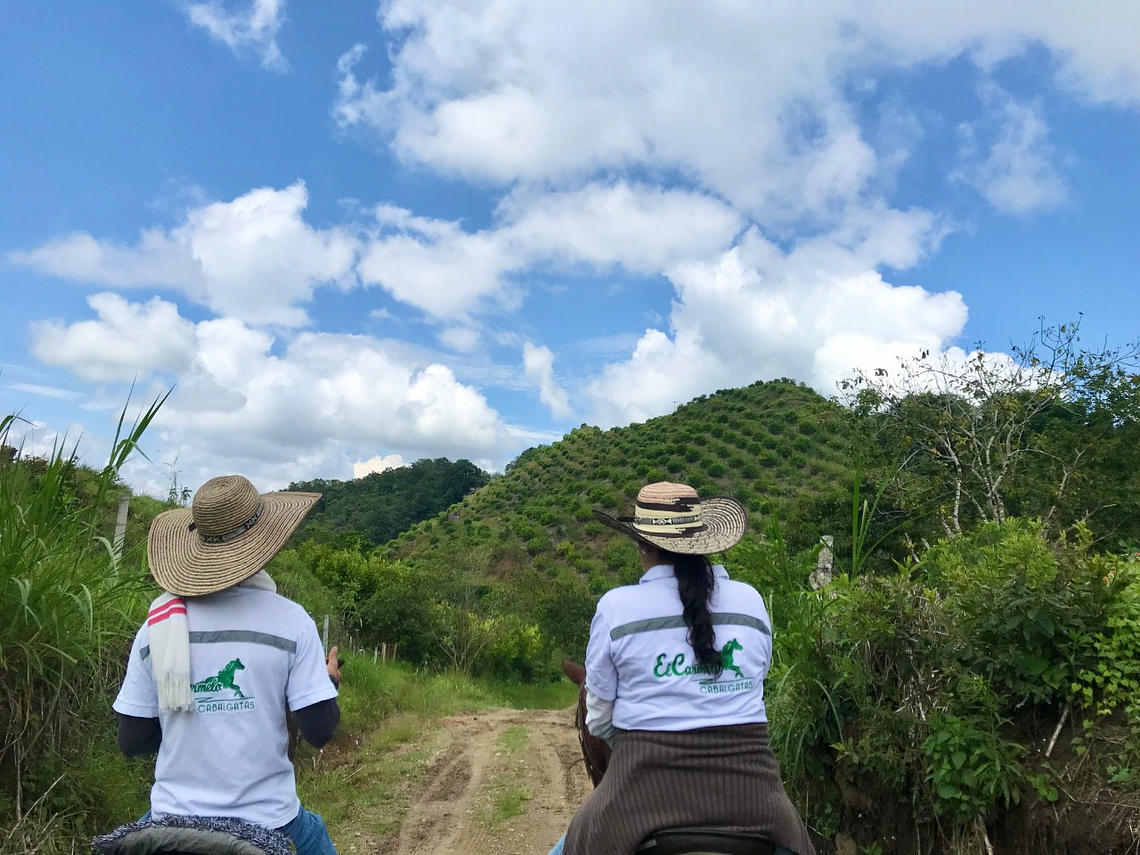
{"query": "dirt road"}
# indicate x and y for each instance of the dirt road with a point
(504, 782)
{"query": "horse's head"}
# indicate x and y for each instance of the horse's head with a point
(574, 671)
(732, 646)
(235, 666)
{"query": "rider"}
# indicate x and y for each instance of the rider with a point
(222, 659)
(675, 670)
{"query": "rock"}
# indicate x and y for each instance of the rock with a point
(845, 845)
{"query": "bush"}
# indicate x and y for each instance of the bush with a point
(926, 684)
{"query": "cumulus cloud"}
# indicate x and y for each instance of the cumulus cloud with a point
(538, 364)
(435, 266)
(377, 464)
(749, 101)
(641, 228)
(320, 389)
(125, 340)
(760, 313)
(253, 28)
(450, 273)
(253, 258)
(1016, 173)
(246, 400)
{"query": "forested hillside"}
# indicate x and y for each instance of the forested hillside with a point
(779, 447)
(381, 505)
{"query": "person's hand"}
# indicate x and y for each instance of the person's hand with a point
(333, 663)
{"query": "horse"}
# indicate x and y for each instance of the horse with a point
(595, 752)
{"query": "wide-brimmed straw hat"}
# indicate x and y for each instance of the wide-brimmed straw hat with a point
(228, 534)
(673, 517)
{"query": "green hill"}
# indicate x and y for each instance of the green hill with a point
(382, 504)
(777, 446)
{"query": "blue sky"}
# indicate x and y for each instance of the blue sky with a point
(351, 235)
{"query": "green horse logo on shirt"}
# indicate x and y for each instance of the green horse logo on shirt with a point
(224, 679)
(726, 658)
(676, 667)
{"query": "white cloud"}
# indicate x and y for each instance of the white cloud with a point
(45, 391)
(1093, 45)
(1016, 173)
(377, 464)
(451, 274)
(286, 409)
(750, 101)
(322, 388)
(814, 314)
(253, 28)
(126, 340)
(460, 339)
(641, 228)
(435, 266)
(253, 258)
(538, 365)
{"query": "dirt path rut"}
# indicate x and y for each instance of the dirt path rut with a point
(500, 783)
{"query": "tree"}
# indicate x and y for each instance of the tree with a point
(969, 434)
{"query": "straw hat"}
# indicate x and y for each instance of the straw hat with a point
(228, 534)
(673, 517)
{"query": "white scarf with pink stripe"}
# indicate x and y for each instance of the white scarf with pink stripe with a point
(169, 636)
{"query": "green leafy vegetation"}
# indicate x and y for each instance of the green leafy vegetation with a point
(931, 692)
(68, 606)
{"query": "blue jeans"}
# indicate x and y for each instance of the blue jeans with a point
(557, 850)
(307, 831)
(309, 834)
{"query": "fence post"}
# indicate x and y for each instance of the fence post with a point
(121, 525)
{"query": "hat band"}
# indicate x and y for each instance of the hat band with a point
(669, 526)
(237, 532)
(695, 518)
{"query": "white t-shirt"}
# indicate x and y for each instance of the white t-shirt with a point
(253, 654)
(639, 658)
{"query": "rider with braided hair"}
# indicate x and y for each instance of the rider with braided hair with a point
(675, 670)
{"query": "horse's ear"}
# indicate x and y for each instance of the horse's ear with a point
(574, 671)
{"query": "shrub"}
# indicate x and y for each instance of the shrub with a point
(928, 682)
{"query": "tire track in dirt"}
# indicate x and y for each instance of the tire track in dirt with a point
(448, 816)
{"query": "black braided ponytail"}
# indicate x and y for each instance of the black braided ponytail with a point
(695, 582)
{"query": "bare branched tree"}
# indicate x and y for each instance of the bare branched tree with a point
(964, 426)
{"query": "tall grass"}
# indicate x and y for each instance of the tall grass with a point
(68, 608)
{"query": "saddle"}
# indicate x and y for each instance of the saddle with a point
(192, 835)
(704, 841)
